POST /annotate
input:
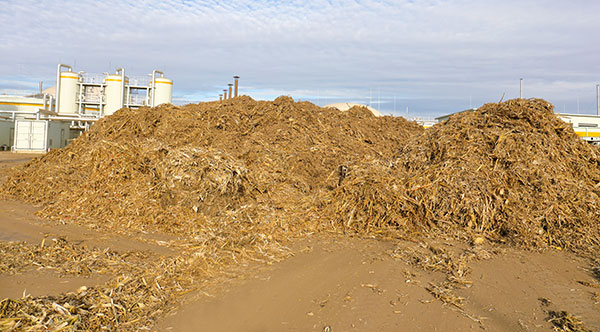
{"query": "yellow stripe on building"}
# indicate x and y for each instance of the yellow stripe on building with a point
(20, 104)
(588, 134)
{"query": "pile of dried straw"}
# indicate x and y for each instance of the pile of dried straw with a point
(234, 179)
(510, 171)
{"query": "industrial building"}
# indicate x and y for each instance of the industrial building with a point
(51, 118)
(586, 126)
(346, 106)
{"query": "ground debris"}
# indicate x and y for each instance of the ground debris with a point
(563, 321)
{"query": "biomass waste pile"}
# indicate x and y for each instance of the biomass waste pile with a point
(511, 171)
(231, 180)
(180, 169)
(236, 179)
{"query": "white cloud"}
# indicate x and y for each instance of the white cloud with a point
(430, 51)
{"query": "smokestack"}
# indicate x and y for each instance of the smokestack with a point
(230, 95)
(224, 94)
(42, 83)
(220, 97)
(235, 91)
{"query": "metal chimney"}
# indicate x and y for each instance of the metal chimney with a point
(220, 97)
(224, 94)
(230, 95)
(42, 83)
(235, 91)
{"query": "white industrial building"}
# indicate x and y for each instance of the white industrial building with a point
(586, 126)
(51, 118)
(346, 106)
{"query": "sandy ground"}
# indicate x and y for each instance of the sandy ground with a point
(355, 284)
(336, 283)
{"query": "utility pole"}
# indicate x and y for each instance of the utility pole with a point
(521, 88)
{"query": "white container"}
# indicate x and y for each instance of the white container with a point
(40, 135)
(114, 93)
(68, 92)
(163, 93)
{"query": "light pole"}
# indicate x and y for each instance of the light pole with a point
(521, 88)
(597, 99)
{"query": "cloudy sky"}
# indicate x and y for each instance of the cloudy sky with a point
(432, 57)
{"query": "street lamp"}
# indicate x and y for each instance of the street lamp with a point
(597, 99)
(521, 88)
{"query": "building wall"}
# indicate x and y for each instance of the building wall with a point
(7, 128)
(58, 134)
(21, 104)
(586, 126)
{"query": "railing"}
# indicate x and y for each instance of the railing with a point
(92, 78)
(135, 99)
(139, 80)
(92, 94)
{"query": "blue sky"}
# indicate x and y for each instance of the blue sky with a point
(434, 57)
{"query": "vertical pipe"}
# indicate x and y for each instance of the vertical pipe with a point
(122, 84)
(41, 88)
(81, 108)
(224, 94)
(235, 91)
(154, 84)
(102, 99)
(60, 65)
(230, 95)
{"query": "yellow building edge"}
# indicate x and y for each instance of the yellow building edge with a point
(20, 104)
(588, 134)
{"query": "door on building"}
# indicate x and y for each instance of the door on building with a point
(30, 135)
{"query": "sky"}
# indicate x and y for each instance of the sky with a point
(429, 57)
